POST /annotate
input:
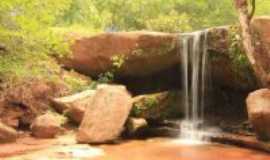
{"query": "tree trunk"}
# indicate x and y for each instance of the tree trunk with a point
(254, 54)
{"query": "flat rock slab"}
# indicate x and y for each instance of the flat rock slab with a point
(106, 115)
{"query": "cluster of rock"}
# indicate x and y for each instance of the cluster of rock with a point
(101, 115)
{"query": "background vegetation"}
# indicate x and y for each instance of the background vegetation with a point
(29, 29)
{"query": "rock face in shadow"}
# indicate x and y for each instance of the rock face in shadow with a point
(258, 105)
(106, 115)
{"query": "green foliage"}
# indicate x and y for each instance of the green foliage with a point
(156, 15)
(75, 83)
(237, 54)
(170, 23)
(30, 43)
(25, 33)
(262, 7)
(117, 62)
(106, 77)
(145, 103)
(31, 31)
(236, 51)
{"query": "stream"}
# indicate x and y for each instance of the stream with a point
(173, 150)
(151, 149)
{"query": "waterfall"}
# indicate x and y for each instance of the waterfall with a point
(194, 78)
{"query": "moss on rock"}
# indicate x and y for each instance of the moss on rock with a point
(161, 105)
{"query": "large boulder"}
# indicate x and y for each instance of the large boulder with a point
(258, 105)
(106, 115)
(7, 134)
(74, 106)
(158, 106)
(47, 125)
(151, 50)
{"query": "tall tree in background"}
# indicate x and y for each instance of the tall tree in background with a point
(255, 54)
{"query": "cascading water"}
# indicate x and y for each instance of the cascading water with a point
(194, 78)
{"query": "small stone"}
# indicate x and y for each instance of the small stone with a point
(134, 125)
(47, 125)
(7, 134)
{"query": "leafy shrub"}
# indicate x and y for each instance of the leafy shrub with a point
(169, 23)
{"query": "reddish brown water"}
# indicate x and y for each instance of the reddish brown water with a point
(168, 150)
(153, 149)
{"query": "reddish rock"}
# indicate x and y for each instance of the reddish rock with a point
(47, 125)
(260, 26)
(75, 105)
(22, 102)
(106, 115)
(76, 113)
(258, 105)
(151, 50)
(7, 134)
(148, 55)
(135, 125)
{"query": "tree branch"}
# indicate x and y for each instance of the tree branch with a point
(253, 8)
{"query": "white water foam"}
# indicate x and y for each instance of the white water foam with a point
(194, 70)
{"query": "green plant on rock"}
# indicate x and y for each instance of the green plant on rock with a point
(237, 54)
(146, 103)
(75, 82)
(106, 77)
(117, 61)
(151, 102)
